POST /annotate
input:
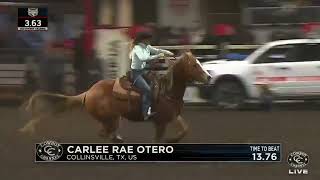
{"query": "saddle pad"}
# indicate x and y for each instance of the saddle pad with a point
(119, 92)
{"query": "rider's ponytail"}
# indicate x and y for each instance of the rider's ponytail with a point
(131, 46)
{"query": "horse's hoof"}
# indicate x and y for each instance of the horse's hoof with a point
(26, 131)
(117, 139)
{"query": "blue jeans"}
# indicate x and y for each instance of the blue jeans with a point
(141, 83)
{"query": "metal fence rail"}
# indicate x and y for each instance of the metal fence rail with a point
(213, 47)
(281, 15)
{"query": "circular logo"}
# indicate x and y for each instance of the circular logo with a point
(49, 150)
(298, 159)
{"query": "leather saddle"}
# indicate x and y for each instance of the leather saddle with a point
(123, 89)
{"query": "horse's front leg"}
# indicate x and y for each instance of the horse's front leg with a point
(160, 129)
(182, 129)
(110, 128)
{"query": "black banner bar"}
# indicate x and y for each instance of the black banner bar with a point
(53, 151)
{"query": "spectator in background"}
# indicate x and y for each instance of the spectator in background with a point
(69, 46)
(243, 36)
(80, 64)
(197, 34)
(184, 36)
(174, 36)
(309, 29)
(224, 34)
(9, 35)
(4, 31)
(209, 38)
(134, 30)
(4, 39)
(315, 2)
(153, 29)
(164, 34)
(52, 67)
(283, 35)
(266, 96)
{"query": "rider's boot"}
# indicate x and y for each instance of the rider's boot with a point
(149, 114)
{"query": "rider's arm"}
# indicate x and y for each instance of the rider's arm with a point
(138, 51)
(154, 50)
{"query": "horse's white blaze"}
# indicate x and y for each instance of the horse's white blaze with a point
(205, 71)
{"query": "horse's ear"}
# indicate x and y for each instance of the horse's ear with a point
(189, 53)
(181, 55)
(183, 51)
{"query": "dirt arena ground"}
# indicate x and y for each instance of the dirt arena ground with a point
(296, 129)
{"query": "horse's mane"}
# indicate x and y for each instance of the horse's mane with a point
(167, 80)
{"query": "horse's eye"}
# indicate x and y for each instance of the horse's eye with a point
(195, 65)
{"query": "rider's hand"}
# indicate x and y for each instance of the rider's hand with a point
(170, 53)
(161, 55)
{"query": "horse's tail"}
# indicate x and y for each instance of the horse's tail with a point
(42, 105)
(54, 103)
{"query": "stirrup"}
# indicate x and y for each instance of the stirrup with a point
(149, 116)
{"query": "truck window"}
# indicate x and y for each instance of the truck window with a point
(309, 52)
(278, 54)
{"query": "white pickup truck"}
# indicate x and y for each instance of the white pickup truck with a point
(290, 67)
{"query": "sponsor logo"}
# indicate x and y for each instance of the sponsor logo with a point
(49, 151)
(33, 12)
(297, 160)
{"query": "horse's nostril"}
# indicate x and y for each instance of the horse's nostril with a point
(208, 78)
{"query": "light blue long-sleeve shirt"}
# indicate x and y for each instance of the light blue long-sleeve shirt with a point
(141, 53)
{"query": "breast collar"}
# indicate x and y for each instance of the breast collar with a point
(174, 99)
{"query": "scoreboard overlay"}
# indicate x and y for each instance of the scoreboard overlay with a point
(50, 151)
(33, 19)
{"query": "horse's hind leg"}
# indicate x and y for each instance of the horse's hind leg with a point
(110, 129)
(182, 129)
(30, 127)
(160, 131)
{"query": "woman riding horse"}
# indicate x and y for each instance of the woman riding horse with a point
(100, 102)
(141, 53)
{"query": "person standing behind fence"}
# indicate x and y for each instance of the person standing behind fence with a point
(224, 34)
(52, 68)
(80, 64)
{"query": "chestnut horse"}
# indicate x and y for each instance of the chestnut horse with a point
(100, 102)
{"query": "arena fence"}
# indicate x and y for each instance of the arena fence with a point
(209, 47)
(19, 72)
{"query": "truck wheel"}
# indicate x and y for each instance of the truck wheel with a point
(228, 94)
